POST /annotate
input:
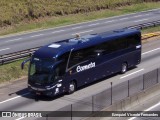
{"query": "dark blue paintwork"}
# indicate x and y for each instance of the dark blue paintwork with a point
(84, 41)
(102, 66)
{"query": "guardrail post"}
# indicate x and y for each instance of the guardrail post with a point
(128, 88)
(2, 62)
(71, 112)
(143, 81)
(111, 93)
(157, 75)
(92, 104)
(47, 117)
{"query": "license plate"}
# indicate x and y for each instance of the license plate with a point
(38, 93)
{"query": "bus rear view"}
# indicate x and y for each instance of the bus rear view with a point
(65, 65)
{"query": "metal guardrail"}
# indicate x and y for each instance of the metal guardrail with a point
(7, 58)
(146, 25)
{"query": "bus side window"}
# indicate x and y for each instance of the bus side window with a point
(133, 40)
(62, 66)
(76, 57)
(81, 55)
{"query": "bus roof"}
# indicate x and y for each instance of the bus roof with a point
(56, 49)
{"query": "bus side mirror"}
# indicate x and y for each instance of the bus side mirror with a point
(24, 62)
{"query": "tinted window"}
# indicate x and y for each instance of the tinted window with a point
(62, 66)
(81, 55)
(133, 40)
(117, 44)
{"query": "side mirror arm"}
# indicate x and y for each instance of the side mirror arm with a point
(24, 62)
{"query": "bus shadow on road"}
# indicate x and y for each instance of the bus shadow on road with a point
(27, 94)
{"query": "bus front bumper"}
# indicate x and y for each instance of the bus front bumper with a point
(41, 91)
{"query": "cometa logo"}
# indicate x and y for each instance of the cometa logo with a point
(85, 67)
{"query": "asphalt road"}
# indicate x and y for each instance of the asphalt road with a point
(14, 43)
(15, 97)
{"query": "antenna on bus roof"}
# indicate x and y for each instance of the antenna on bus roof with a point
(77, 36)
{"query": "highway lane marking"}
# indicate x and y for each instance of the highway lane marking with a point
(37, 35)
(94, 24)
(137, 16)
(110, 21)
(4, 49)
(83, 32)
(58, 31)
(20, 118)
(141, 15)
(76, 27)
(13, 98)
(123, 18)
(146, 14)
(14, 40)
(131, 73)
(148, 109)
(141, 20)
(150, 51)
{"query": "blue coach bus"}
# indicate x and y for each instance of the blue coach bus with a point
(64, 66)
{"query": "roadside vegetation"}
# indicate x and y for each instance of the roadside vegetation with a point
(23, 15)
(12, 71)
(150, 30)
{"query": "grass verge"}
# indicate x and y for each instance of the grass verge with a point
(51, 22)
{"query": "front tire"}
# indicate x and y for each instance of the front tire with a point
(72, 87)
(124, 68)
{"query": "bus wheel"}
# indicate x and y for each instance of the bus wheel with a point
(124, 68)
(72, 87)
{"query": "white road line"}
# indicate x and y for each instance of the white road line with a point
(137, 16)
(148, 109)
(131, 73)
(141, 20)
(14, 40)
(146, 14)
(37, 35)
(123, 18)
(13, 98)
(58, 31)
(94, 24)
(150, 51)
(4, 49)
(20, 118)
(83, 32)
(76, 27)
(109, 21)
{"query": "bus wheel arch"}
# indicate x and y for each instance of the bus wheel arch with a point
(124, 67)
(72, 86)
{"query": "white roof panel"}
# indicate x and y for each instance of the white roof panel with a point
(54, 46)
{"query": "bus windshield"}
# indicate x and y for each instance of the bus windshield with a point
(41, 71)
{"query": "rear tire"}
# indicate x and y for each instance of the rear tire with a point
(72, 87)
(124, 68)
